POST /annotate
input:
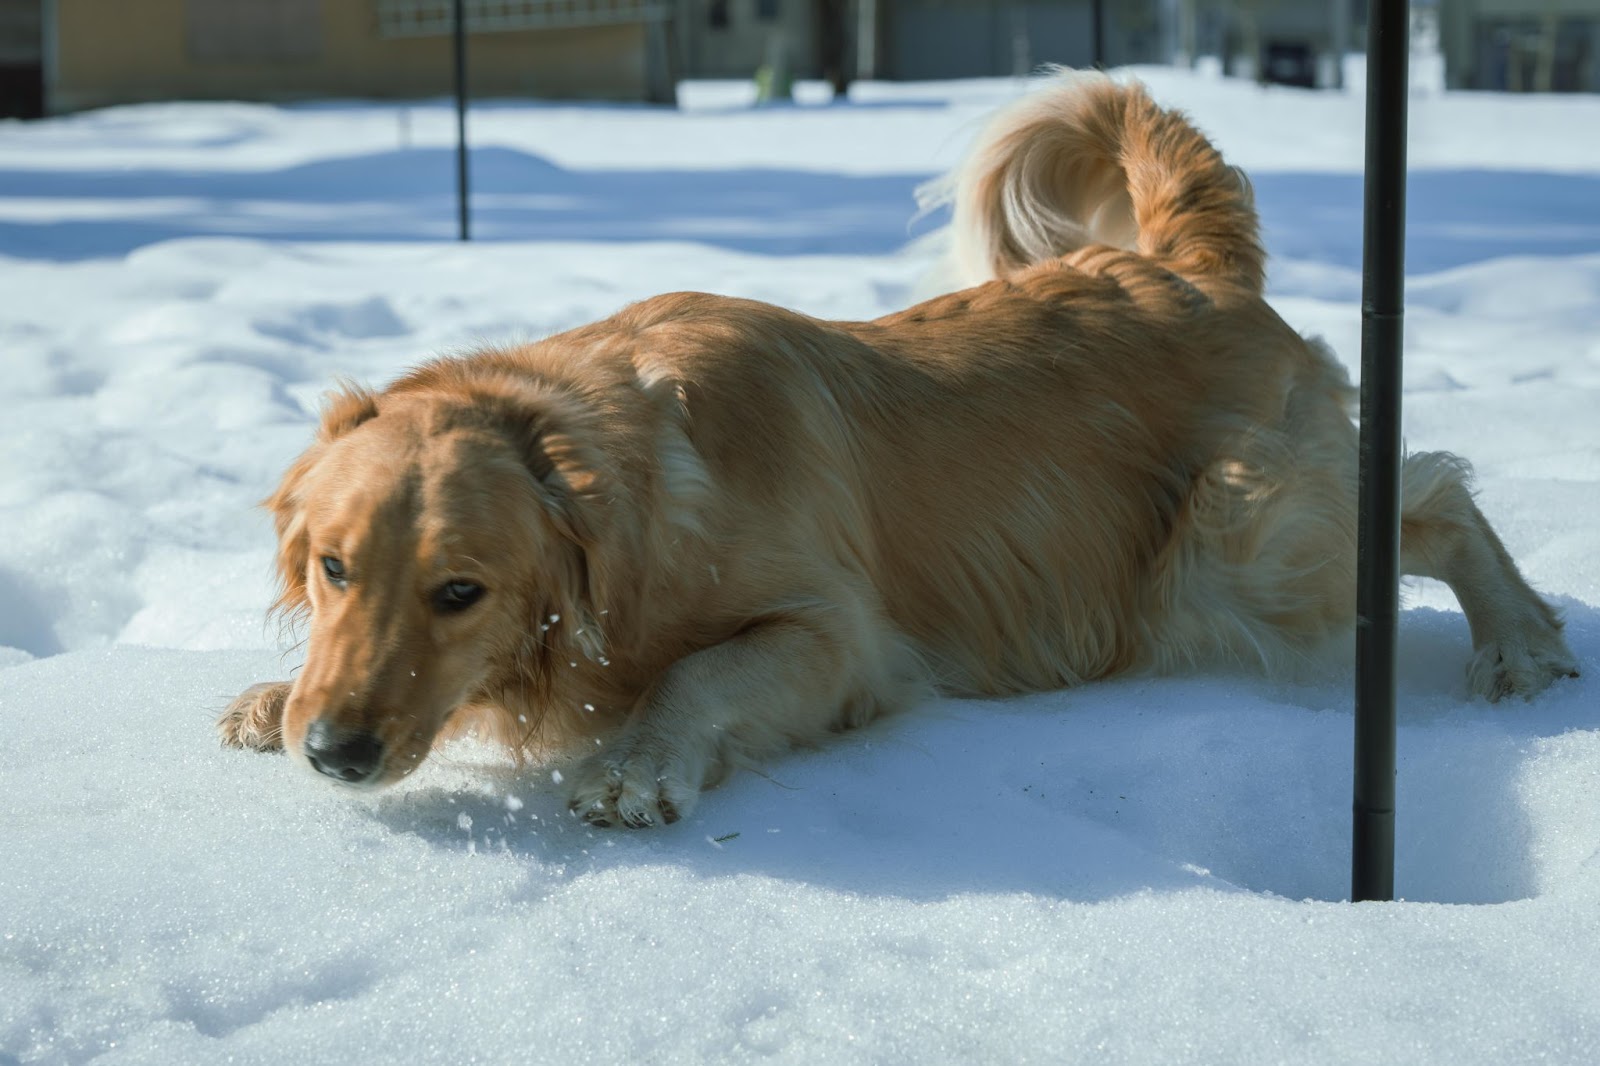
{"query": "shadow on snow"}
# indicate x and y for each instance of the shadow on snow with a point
(410, 195)
(1152, 784)
(1456, 217)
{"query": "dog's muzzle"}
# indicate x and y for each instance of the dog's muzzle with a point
(351, 757)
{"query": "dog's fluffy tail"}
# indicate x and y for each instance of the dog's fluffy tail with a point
(1087, 161)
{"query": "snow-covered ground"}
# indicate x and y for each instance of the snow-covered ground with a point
(1142, 871)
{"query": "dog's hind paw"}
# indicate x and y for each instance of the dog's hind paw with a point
(631, 786)
(1522, 668)
(255, 718)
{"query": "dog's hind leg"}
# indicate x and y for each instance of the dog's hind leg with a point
(1516, 636)
(805, 669)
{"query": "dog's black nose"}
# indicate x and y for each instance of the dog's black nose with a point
(348, 756)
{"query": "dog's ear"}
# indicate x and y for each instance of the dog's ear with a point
(590, 501)
(555, 436)
(342, 410)
(575, 479)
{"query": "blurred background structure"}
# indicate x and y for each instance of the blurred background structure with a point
(64, 55)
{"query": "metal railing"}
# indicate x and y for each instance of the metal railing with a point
(435, 18)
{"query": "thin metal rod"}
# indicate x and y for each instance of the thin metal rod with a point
(1097, 17)
(461, 121)
(1378, 523)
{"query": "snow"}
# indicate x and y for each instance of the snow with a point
(1150, 870)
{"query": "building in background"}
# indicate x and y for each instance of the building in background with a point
(1289, 42)
(932, 39)
(907, 40)
(922, 39)
(98, 52)
(731, 38)
(1504, 45)
(1521, 45)
(67, 54)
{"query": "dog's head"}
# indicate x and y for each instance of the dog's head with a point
(426, 536)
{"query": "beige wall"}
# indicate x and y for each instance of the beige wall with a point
(114, 51)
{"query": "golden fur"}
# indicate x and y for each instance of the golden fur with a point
(707, 529)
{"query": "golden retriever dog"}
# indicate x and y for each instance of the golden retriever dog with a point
(706, 530)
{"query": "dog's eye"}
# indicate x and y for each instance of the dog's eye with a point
(335, 571)
(457, 596)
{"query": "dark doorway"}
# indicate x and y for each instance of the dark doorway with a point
(21, 90)
(21, 59)
(1290, 63)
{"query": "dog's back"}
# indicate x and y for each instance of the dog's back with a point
(1078, 468)
(1096, 467)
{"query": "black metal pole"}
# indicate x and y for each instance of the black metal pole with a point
(461, 120)
(1378, 523)
(1097, 15)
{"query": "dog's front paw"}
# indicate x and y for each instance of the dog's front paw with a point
(255, 718)
(633, 784)
(1522, 666)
